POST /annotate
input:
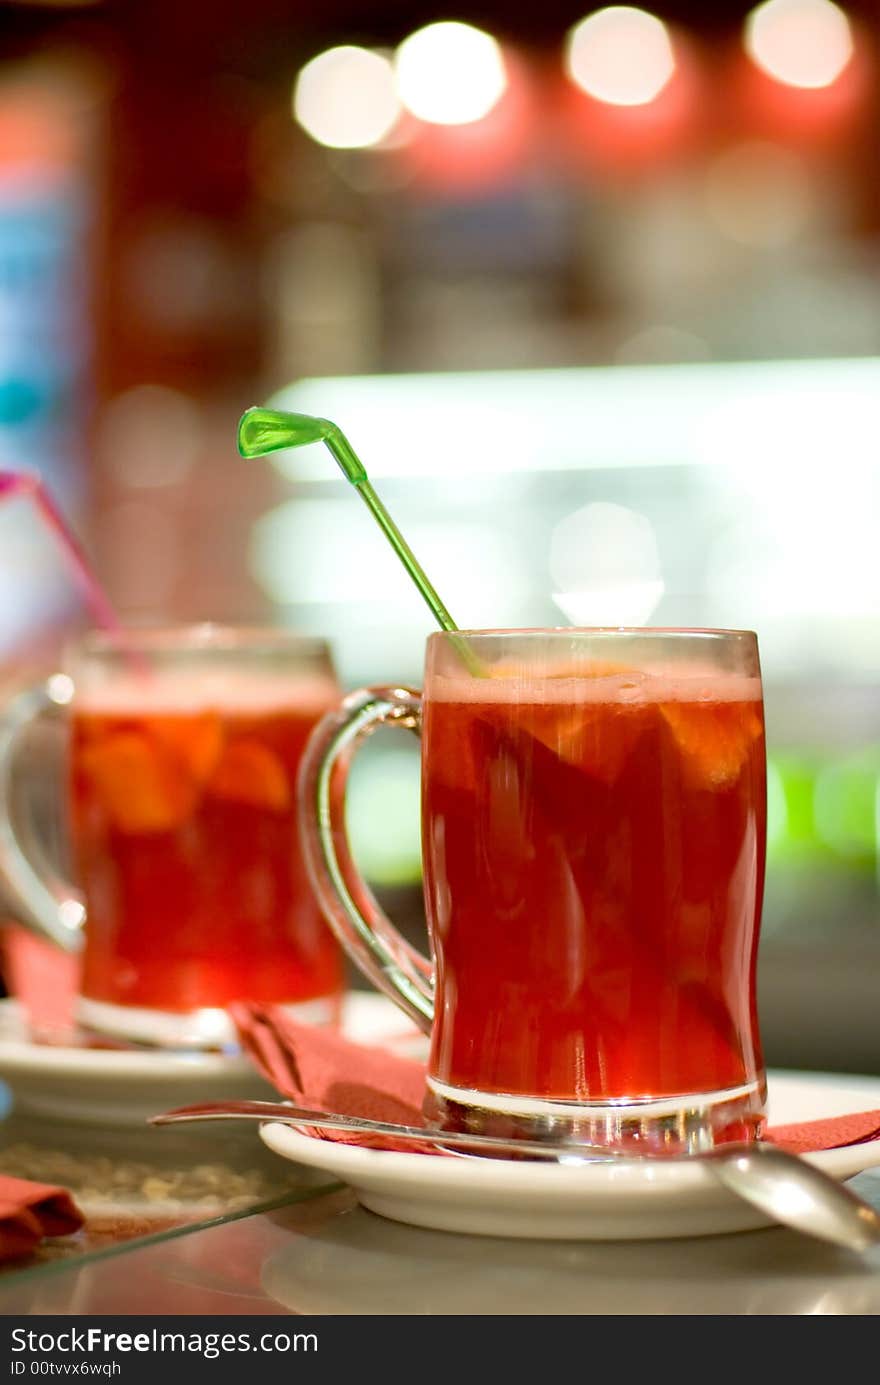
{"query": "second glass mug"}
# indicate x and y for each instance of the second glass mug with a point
(184, 749)
(593, 839)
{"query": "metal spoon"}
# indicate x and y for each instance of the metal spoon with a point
(783, 1186)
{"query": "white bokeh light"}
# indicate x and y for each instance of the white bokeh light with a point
(150, 436)
(802, 43)
(620, 55)
(605, 561)
(346, 98)
(450, 73)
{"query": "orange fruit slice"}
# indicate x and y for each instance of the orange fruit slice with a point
(249, 772)
(714, 738)
(597, 738)
(138, 782)
(194, 739)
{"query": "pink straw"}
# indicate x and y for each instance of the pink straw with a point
(29, 484)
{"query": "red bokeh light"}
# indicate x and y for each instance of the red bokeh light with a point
(760, 106)
(631, 139)
(487, 151)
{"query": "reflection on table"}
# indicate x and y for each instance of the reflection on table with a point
(324, 1255)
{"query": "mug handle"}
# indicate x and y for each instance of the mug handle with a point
(365, 932)
(41, 900)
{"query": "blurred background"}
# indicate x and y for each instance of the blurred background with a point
(595, 293)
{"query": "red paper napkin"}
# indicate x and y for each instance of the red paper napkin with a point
(30, 1211)
(835, 1132)
(320, 1068)
(41, 977)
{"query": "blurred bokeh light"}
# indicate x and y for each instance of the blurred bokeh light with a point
(803, 43)
(621, 55)
(450, 73)
(605, 565)
(346, 98)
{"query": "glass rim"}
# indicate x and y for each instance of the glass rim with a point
(602, 631)
(195, 638)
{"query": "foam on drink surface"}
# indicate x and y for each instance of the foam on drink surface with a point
(678, 683)
(180, 692)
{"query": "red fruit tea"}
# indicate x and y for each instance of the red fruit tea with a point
(594, 857)
(184, 827)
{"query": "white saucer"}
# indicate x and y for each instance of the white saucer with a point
(125, 1086)
(617, 1201)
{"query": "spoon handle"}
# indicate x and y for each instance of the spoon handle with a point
(288, 1114)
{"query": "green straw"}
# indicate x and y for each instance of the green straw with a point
(269, 430)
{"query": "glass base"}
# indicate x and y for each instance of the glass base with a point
(206, 1028)
(673, 1125)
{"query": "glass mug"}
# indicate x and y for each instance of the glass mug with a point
(184, 750)
(593, 839)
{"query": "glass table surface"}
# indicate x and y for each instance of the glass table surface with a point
(134, 1184)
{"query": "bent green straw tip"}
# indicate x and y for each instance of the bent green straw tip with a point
(268, 430)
